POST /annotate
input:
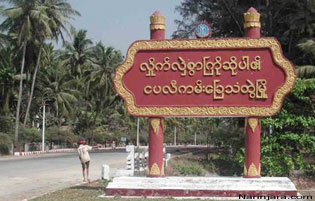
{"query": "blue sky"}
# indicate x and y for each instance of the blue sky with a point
(118, 23)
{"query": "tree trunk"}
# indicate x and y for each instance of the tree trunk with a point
(93, 127)
(33, 84)
(5, 108)
(17, 117)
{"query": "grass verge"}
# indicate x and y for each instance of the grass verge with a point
(88, 192)
(85, 192)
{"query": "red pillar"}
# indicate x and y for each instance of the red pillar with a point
(156, 125)
(157, 26)
(156, 138)
(252, 124)
(252, 148)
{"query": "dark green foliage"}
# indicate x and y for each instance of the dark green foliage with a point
(7, 124)
(289, 21)
(6, 134)
(61, 136)
(28, 135)
(283, 153)
(298, 112)
(5, 142)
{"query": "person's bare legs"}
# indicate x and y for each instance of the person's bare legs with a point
(87, 171)
(87, 174)
(83, 172)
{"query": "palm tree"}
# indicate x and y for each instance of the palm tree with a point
(55, 88)
(104, 61)
(76, 53)
(98, 80)
(307, 71)
(7, 75)
(50, 22)
(3, 39)
(18, 23)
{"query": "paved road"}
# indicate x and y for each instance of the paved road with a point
(24, 178)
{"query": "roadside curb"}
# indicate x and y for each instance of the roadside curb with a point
(29, 153)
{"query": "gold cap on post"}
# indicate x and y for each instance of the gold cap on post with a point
(157, 21)
(252, 19)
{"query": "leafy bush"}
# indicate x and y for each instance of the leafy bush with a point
(29, 134)
(298, 112)
(192, 169)
(100, 138)
(101, 135)
(7, 124)
(61, 136)
(5, 142)
(283, 153)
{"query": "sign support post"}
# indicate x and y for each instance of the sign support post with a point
(252, 124)
(156, 125)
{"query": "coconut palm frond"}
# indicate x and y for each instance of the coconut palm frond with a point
(307, 71)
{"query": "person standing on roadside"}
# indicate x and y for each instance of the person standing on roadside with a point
(84, 158)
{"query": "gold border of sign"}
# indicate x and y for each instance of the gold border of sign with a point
(229, 43)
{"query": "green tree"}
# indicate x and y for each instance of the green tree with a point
(17, 23)
(289, 21)
(49, 21)
(7, 77)
(104, 60)
(99, 90)
(308, 48)
(76, 53)
(298, 112)
(55, 88)
(75, 83)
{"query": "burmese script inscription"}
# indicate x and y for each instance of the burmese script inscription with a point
(255, 89)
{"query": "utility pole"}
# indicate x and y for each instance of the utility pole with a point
(43, 128)
(195, 139)
(175, 136)
(138, 129)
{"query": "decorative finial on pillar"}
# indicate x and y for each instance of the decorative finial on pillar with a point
(157, 21)
(252, 19)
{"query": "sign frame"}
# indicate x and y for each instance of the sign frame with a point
(198, 44)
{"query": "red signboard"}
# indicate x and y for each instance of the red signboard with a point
(206, 77)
